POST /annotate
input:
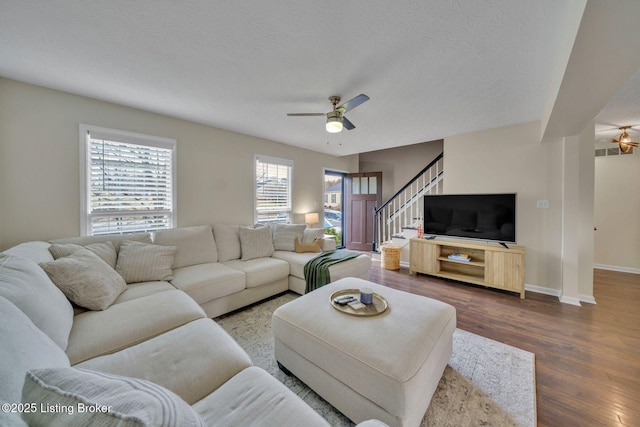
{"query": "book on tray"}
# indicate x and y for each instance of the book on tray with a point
(460, 257)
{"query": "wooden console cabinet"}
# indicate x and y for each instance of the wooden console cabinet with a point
(491, 265)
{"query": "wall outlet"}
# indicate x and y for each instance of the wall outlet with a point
(543, 204)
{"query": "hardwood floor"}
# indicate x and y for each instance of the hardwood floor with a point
(587, 358)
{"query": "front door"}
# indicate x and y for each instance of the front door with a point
(363, 195)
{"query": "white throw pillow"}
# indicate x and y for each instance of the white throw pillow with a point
(144, 262)
(27, 286)
(228, 241)
(105, 251)
(285, 235)
(86, 279)
(311, 234)
(256, 242)
(88, 398)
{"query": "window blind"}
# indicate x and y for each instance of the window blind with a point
(273, 189)
(130, 186)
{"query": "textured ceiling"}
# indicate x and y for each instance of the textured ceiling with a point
(622, 110)
(431, 68)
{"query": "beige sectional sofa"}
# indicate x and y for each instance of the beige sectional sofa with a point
(152, 356)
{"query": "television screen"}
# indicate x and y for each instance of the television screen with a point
(472, 216)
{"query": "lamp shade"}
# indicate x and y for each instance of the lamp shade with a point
(311, 218)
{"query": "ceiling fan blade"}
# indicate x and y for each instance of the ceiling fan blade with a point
(347, 124)
(305, 114)
(353, 103)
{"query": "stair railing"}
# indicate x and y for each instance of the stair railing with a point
(404, 209)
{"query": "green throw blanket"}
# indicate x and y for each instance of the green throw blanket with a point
(316, 271)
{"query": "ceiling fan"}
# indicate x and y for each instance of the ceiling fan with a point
(335, 118)
(624, 140)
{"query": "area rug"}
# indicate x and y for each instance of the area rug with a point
(486, 383)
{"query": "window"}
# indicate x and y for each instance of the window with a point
(273, 189)
(128, 182)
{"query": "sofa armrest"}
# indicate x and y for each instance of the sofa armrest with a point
(329, 243)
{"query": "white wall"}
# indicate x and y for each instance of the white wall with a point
(400, 164)
(512, 159)
(39, 164)
(617, 212)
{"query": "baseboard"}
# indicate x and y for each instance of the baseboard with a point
(589, 299)
(570, 300)
(617, 268)
(545, 291)
(542, 290)
(557, 293)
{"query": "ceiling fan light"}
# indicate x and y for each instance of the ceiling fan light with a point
(334, 123)
(624, 138)
(625, 148)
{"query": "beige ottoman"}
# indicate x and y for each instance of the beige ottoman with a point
(385, 367)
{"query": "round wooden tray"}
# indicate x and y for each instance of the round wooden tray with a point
(379, 305)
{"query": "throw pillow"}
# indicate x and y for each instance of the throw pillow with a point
(285, 235)
(228, 241)
(105, 251)
(316, 246)
(28, 287)
(311, 234)
(85, 279)
(255, 242)
(145, 262)
(96, 398)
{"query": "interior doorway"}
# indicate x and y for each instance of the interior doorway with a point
(334, 205)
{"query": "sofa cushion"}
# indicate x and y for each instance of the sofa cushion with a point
(144, 262)
(23, 347)
(255, 398)
(285, 235)
(96, 333)
(195, 245)
(26, 285)
(115, 239)
(355, 267)
(228, 241)
(213, 357)
(261, 271)
(36, 251)
(143, 289)
(105, 251)
(206, 282)
(86, 279)
(256, 242)
(121, 401)
(295, 260)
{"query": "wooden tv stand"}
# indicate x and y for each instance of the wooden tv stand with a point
(491, 265)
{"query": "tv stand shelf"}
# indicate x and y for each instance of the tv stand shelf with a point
(491, 265)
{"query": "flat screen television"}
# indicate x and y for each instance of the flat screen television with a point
(471, 216)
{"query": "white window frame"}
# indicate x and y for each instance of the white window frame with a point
(274, 161)
(126, 137)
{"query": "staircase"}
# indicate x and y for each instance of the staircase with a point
(396, 220)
